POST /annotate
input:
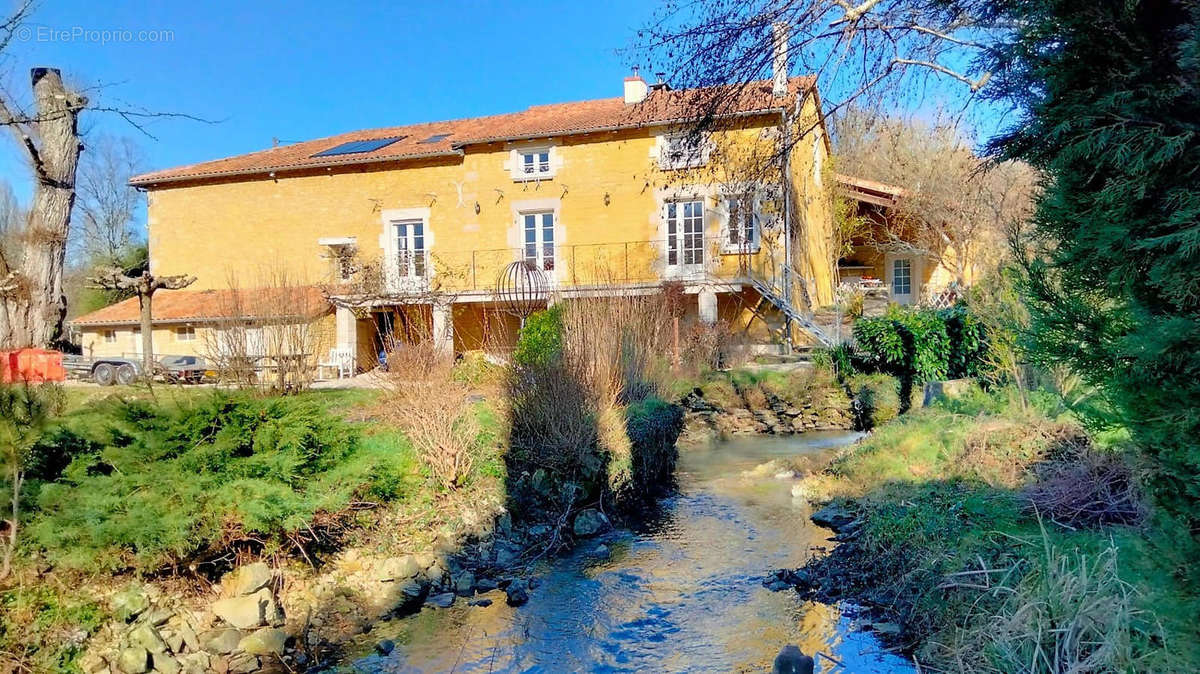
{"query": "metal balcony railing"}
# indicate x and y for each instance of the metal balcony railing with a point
(687, 258)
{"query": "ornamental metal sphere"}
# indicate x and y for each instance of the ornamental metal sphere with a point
(522, 288)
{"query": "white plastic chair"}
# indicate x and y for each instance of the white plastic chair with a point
(341, 360)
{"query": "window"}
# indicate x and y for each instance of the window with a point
(410, 248)
(533, 163)
(538, 232)
(682, 151)
(902, 277)
(743, 229)
(685, 233)
(185, 334)
(110, 336)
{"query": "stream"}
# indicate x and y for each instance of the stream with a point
(681, 592)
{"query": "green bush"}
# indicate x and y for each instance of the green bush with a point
(922, 344)
(875, 399)
(540, 341)
(653, 425)
(166, 485)
(968, 342)
(838, 359)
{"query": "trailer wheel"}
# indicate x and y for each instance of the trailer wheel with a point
(104, 374)
(126, 375)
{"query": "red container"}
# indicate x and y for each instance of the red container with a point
(32, 366)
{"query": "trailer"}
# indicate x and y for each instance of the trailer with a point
(105, 370)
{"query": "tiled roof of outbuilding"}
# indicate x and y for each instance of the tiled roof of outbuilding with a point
(181, 306)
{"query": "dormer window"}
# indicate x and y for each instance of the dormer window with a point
(682, 151)
(533, 163)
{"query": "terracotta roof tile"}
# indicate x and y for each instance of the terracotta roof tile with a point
(173, 306)
(662, 106)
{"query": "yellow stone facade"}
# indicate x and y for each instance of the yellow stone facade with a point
(608, 195)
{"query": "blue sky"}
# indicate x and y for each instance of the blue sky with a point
(306, 69)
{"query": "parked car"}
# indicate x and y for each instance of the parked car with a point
(183, 369)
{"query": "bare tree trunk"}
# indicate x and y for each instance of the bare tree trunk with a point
(18, 480)
(144, 301)
(33, 310)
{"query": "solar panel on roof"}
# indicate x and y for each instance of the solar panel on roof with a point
(357, 146)
(436, 138)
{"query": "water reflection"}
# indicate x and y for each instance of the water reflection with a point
(682, 593)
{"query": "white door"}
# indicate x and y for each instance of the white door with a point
(903, 279)
(410, 248)
(685, 235)
(538, 232)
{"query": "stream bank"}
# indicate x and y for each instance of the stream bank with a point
(679, 591)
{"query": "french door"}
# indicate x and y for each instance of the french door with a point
(903, 280)
(685, 235)
(538, 233)
(410, 248)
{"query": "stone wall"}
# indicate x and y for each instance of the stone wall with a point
(765, 412)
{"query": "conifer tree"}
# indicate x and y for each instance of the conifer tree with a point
(1109, 94)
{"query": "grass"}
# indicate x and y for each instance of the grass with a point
(740, 387)
(82, 397)
(950, 549)
(47, 625)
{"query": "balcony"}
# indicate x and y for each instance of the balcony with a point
(583, 268)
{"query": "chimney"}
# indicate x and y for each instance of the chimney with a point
(635, 88)
(779, 66)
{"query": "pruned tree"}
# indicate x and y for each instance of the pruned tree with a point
(144, 286)
(957, 207)
(32, 302)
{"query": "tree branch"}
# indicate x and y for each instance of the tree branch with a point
(854, 13)
(176, 282)
(975, 85)
(20, 129)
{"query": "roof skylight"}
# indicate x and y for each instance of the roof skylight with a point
(358, 146)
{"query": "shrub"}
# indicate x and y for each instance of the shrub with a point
(969, 350)
(924, 344)
(1086, 488)
(653, 426)
(540, 340)
(875, 400)
(576, 371)
(552, 422)
(434, 409)
(175, 484)
(706, 347)
(838, 359)
(920, 345)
